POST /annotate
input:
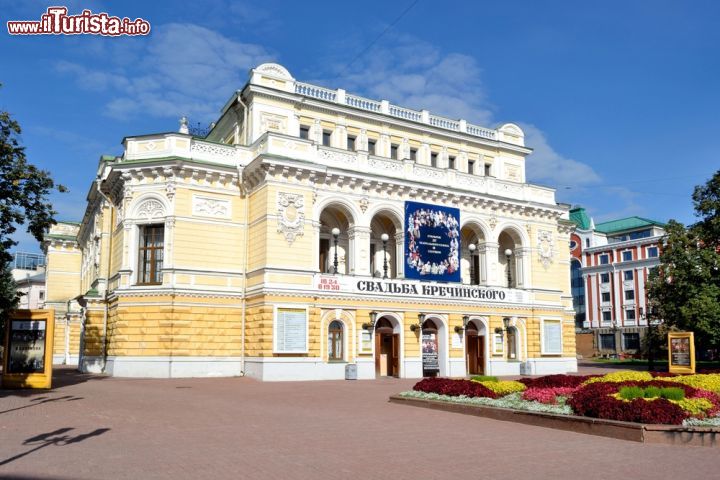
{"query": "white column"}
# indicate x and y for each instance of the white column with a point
(399, 260)
(494, 270)
(360, 249)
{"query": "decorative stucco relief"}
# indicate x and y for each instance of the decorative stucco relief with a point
(291, 215)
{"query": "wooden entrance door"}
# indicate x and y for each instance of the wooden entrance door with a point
(475, 352)
(387, 350)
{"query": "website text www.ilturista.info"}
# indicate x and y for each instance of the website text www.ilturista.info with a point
(56, 21)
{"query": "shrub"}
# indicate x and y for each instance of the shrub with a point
(631, 393)
(547, 396)
(504, 387)
(672, 393)
(622, 376)
(484, 378)
(446, 386)
(649, 392)
(556, 381)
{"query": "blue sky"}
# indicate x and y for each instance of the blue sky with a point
(619, 99)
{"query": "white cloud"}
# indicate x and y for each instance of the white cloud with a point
(545, 165)
(418, 75)
(181, 69)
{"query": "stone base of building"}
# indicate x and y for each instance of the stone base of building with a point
(61, 360)
(549, 366)
(277, 369)
(164, 367)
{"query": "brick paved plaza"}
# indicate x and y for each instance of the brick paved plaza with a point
(92, 427)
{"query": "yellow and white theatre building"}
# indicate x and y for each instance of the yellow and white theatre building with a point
(314, 229)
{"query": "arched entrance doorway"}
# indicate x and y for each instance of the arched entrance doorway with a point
(475, 348)
(387, 349)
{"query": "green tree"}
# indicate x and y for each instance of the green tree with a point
(24, 192)
(686, 289)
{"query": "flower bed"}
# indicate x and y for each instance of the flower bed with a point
(626, 396)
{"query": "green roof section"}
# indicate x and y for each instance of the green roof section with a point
(626, 224)
(579, 217)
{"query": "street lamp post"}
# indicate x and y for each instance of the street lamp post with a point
(385, 237)
(335, 234)
(615, 342)
(508, 254)
(472, 248)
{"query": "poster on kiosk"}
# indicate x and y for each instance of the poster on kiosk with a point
(432, 242)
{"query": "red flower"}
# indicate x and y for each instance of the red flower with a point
(453, 388)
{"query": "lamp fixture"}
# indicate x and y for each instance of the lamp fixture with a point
(466, 320)
(335, 234)
(504, 328)
(385, 237)
(508, 254)
(371, 324)
(418, 326)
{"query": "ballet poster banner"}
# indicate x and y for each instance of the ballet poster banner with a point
(432, 242)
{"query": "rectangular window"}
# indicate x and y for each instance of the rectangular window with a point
(628, 275)
(471, 167)
(629, 295)
(652, 252)
(487, 169)
(605, 297)
(351, 143)
(604, 259)
(627, 256)
(433, 159)
(451, 163)
(631, 341)
(290, 330)
(304, 132)
(630, 314)
(41, 295)
(394, 151)
(607, 341)
(413, 154)
(604, 278)
(150, 254)
(326, 137)
(371, 146)
(552, 336)
(606, 316)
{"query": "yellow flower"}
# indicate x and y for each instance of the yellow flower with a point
(622, 376)
(504, 387)
(710, 382)
(695, 406)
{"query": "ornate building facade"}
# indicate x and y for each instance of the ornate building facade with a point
(293, 241)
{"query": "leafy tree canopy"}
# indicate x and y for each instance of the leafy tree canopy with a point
(24, 192)
(686, 289)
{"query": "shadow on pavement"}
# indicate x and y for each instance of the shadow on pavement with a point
(57, 437)
(63, 376)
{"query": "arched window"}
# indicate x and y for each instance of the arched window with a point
(335, 340)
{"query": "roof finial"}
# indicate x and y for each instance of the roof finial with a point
(184, 125)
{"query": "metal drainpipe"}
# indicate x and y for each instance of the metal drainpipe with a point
(107, 282)
(244, 194)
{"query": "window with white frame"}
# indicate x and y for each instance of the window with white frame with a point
(290, 330)
(335, 341)
(605, 297)
(629, 295)
(627, 256)
(604, 259)
(630, 314)
(628, 275)
(604, 278)
(150, 254)
(652, 252)
(606, 316)
(552, 336)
